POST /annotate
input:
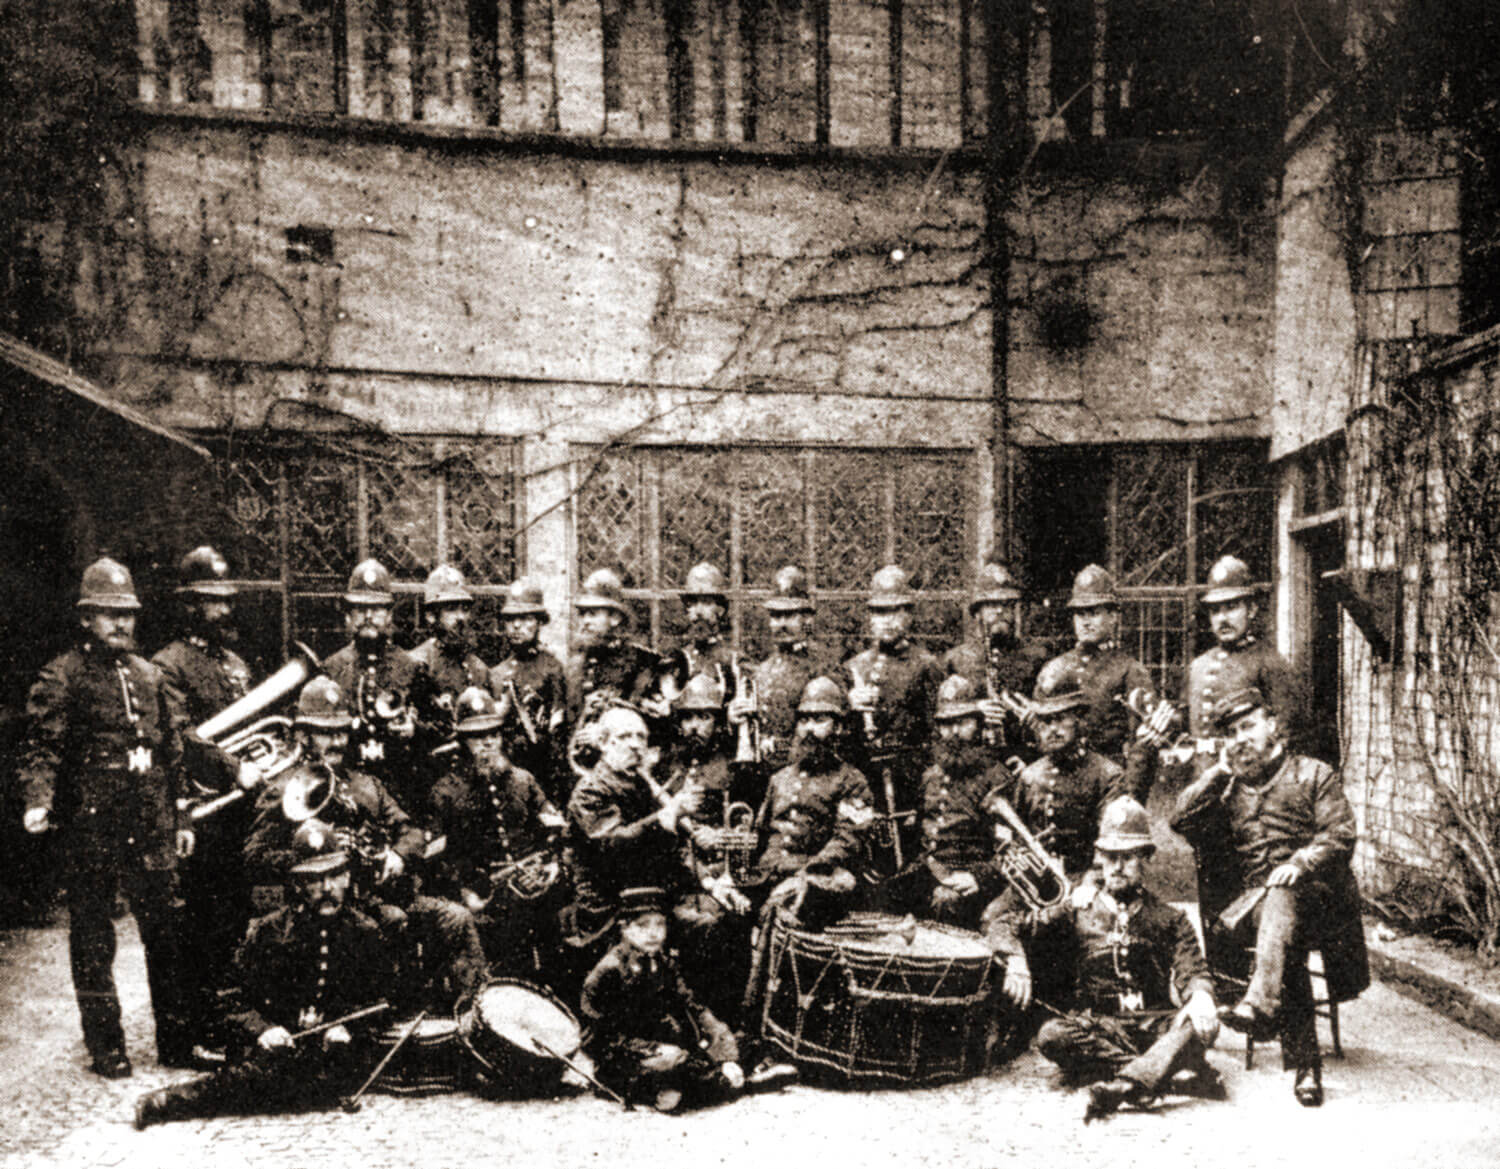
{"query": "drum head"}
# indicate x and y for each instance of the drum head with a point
(525, 1016)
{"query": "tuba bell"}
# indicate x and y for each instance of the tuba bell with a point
(267, 742)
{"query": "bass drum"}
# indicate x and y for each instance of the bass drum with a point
(879, 1000)
(508, 1031)
(428, 1064)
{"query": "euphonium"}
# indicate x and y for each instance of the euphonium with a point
(1028, 868)
(268, 742)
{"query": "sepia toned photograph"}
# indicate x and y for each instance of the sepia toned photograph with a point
(771, 583)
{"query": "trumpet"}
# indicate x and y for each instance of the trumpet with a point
(267, 742)
(1025, 865)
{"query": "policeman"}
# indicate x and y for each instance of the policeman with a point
(435, 939)
(100, 765)
(705, 647)
(448, 655)
(1240, 659)
(698, 755)
(957, 875)
(1000, 667)
(1134, 958)
(796, 659)
(204, 675)
(531, 687)
(498, 827)
(893, 686)
(1108, 676)
(312, 963)
(375, 677)
(812, 829)
(606, 663)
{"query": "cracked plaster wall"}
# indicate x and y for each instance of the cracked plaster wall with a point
(1142, 302)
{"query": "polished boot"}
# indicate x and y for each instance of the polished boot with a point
(157, 1108)
(1106, 1097)
(1308, 1086)
(112, 1065)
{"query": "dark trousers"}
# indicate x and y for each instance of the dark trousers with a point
(303, 1078)
(1146, 1051)
(214, 914)
(91, 953)
(440, 952)
(1280, 985)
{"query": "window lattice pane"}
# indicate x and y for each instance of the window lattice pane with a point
(402, 518)
(695, 502)
(481, 514)
(1151, 527)
(609, 510)
(932, 539)
(1155, 633)
(320, 518)
(772, 517)
(1234, 508)
(253, 527)
(851, 519)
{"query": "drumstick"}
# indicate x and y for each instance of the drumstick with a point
(575, 1068)
(351, 1103)
(341, 1020)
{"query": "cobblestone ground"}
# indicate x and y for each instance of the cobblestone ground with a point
(1413, 1090)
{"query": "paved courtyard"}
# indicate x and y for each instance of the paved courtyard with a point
(1414, 1090)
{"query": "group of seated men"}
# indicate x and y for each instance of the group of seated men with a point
(623, 830)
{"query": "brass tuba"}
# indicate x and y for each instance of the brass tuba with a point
(306, 795)
(1024, 864)
(267, 742)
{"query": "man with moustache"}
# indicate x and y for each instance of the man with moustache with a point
(1107, 676)
(531, 687)
(955, 876)
(1280, 824)
(446, 666)
(375, 677)
(606, 665)
(893, 687)
(310, 963)
(811, 827)
(796, 658)
(204, 675)
(100, 765)
(434, 939)
(1060, 798)
(498, 827)
(1000, 667)
(705, 647)
(1238, 660)
(624, 829)
(1132, 959)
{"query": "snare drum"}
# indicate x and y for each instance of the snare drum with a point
(428, 1063)
(505, 1029)
(876, 999)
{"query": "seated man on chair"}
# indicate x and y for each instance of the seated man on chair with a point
(1282, 823)
(1134, 960)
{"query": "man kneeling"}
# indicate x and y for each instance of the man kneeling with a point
(1132, 954)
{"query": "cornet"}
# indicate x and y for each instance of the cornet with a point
(1180, 749)
(730, 849)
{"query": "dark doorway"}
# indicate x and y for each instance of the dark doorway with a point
(1324, 546)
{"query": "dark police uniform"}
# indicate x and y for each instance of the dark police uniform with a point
(102, 756)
